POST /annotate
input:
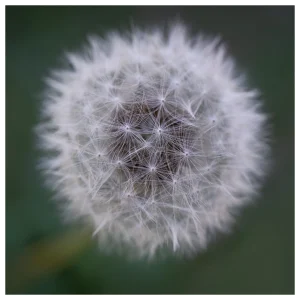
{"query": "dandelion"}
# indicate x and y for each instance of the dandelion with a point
(156, 140)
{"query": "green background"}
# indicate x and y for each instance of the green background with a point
(257, 258)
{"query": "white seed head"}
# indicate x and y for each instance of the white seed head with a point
(154, 139)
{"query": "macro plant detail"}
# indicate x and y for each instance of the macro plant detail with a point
(155, 139)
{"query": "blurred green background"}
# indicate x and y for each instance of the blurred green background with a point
(46, 256)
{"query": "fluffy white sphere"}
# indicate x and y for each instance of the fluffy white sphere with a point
(154, 139)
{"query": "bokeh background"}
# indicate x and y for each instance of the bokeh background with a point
(46, 256)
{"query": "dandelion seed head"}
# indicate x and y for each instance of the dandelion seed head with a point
(154, 139)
